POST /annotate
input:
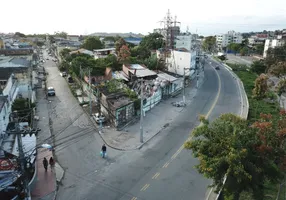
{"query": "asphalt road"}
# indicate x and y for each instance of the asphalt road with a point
(128, 175)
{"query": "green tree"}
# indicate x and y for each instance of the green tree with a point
(209, 43)
(259, 49)
(52, 39)
(152, 63)
(20, 34)
(124, 54)
(243, 51)
(23, 108)
(111, 61)
(65, 53)
(278, 69)
(92, 42)
(61, 34)
(247, 155)
(109, 38)
(234, 47)
(64, 66)
(275, 55)
(258, 67)
(260, 87)
(40, 44)
(153, 41)
(118, 44)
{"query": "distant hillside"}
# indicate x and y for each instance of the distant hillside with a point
(118, 34)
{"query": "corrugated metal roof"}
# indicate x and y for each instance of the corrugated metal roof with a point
(140, 70)
(167, 77)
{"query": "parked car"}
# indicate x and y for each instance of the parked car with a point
(98, 117)
(70, 79)
(63, 74)
(51, 91)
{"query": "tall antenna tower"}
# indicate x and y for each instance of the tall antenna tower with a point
(167, 22)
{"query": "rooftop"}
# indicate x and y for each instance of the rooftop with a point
(140, 71)
(118, 100)
(84, 51)
(107, 49)
(14, 62)
(167, 77)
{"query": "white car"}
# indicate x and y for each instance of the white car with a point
(51, 91)
(63, 74)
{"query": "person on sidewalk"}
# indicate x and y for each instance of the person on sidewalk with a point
(103, 150)
(52, 163)
(45, 163)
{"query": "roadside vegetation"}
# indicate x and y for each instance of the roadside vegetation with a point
(252, 152)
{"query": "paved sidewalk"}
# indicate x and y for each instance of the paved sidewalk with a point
(46, 185)
(155, 121)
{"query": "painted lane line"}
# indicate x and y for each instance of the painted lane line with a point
(134, 198)
(166, 165)
(145, 187)
(156, 175)
(178, 152)
(217, 97)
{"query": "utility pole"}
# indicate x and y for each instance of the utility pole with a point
(99, 108)
(22, 158)
(142, 111)
(184, 96)
(80, 70)
(89, 81)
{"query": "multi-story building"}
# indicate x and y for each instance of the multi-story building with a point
(272, 43)
(230, 37)
(186, 41)
(8, 93)
(180, 61)
(257, 39)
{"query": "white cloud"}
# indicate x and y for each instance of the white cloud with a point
(87, 16)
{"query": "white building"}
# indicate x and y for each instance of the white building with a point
(181, 62)
(8, 93)
(230, 37)
(272, 43)
(103, 53)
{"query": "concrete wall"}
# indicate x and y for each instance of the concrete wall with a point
(178, 61)
(152, 100)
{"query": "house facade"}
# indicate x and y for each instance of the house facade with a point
(182, 62)
(103, 53)
(117, 107)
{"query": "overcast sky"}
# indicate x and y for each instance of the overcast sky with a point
(208, 17)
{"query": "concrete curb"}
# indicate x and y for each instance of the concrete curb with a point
(113, 147)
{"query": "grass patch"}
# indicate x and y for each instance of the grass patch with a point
(256, 106)
(238, 67)
(217, 59)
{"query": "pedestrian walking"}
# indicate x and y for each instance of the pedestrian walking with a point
(52, 163)
(45, 163)
(103, 151)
